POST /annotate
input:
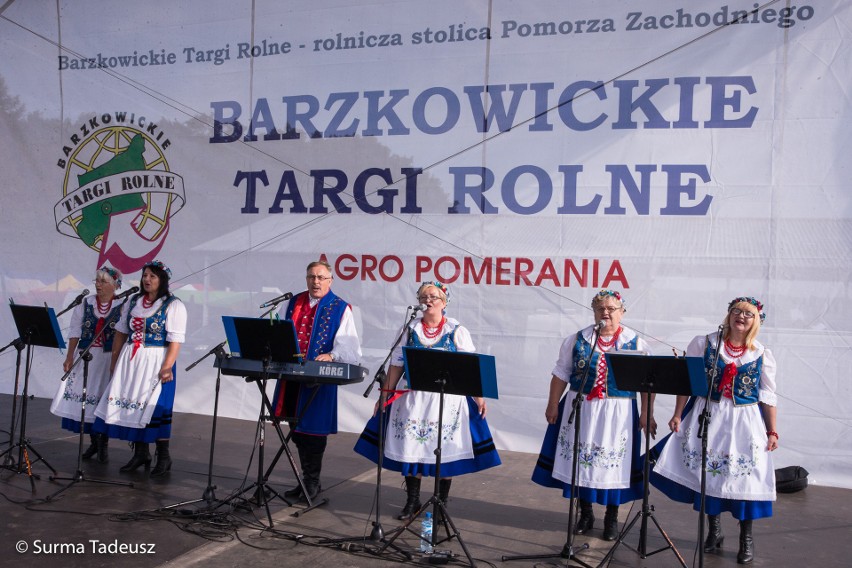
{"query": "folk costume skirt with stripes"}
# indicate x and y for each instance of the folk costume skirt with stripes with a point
(411, 435)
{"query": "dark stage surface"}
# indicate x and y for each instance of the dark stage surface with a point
(498, 513)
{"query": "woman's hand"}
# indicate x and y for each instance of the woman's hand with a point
(165, 375)
(648, 422)
(551, 413)
(772, 443)
(480, 404)
(377, 406)
(674, 424)
(69, 360)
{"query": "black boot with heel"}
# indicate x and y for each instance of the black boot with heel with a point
(412, 500)
(610, 531)
(444, 485)
(103, 448)
(93, 447)
(141, 456)
(164, 459)
(714, 534)
(587, 517)
(746, 553)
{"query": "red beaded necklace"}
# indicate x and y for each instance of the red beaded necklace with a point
(433, 332)
(103, 308)
(607, 344)
(733, 351)
(147, 303)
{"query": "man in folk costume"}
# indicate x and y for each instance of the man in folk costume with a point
(325, 329)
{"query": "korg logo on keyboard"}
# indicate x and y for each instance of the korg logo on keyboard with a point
(330, 371)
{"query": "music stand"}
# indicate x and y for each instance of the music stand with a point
(646, 374)
(37, 326)
(445, 372)
(268, 341)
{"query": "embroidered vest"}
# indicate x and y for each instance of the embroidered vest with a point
(326, 321)
(90, 324)
(582, 348)
(745, 385)
(155, 324)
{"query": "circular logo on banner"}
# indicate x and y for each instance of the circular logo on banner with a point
(118, 193)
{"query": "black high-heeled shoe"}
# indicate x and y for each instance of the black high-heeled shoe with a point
(587, 518)
(92, 449)
(164, 459)
(715, 538)
(141, 456)
(103, 448)
(745, 555)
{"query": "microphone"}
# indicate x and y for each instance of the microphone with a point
(277, 300)
(418, 308)
(126, 293)
(599, 326)
(74, 303)
(79, 298)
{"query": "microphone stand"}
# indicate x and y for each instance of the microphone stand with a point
(209, 495)
(9, 461)
(86, 356)
(703, 425)
(377, 535)
(568, 549)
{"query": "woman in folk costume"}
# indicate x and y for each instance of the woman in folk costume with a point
(93, 324)
(610, 470)
(412, 416)
(138, 403)
(740, 476)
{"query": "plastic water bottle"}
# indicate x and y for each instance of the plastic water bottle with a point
(426, 533)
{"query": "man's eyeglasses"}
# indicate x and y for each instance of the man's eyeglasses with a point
(745, 313)
(432, 298)
(318, 277)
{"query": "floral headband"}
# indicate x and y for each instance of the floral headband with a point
(439, 285)
(160, 265)
(611, 293)
(113, 273)
(749, 300)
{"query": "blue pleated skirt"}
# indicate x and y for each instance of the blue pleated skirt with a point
(543, 472)
(159, 428)
(484, 452)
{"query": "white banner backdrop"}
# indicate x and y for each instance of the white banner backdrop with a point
(525, 153)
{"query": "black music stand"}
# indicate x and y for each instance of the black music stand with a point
(37, 326)
(445, 372)
(268, 341)
(646, 374)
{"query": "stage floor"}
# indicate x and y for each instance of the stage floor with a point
(498, 512)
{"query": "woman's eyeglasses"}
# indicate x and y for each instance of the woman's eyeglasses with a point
(606, 309)
(432, 298)
(745, 313)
